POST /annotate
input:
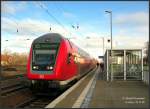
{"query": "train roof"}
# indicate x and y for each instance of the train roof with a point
(49, 37)
(56, 38)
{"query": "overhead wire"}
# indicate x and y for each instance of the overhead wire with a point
(74, 27)
(17, 23)
(52, 16)
(60, 8)
(36, 4)
(19, 26)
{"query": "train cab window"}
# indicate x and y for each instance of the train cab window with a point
(44, 56)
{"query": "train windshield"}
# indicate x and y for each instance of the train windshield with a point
(44, 56)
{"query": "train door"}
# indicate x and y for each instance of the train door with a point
(76, 60)
(73, 67)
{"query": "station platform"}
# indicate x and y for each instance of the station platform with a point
(119, 94)
(106, 94)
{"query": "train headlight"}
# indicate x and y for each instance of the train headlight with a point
(35, 67)
(49, 67)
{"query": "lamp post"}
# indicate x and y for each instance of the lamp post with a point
(110, 12)
(103, 48)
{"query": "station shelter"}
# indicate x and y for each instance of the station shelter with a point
(123, 64)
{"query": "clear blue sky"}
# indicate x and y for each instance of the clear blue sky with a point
(90, 16)
(84, 13)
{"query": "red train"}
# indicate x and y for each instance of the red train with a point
(54, 60)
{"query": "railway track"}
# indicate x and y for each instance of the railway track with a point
(12, 77)
(40, 100)
(8, 82)
(11, 85)
(11, 89)
(40, 103)
(16, 94)
(36, 102)
(25, 98)
(14, 98)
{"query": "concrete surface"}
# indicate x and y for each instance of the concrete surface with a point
(120, 94)
(73, 96)
(112, 94)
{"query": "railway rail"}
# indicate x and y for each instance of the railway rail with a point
(9, 90)
(8, 82)
(12, 77)
(13, 84)
(36, 102)
(25, 98)
(14, 88)
(40, 100)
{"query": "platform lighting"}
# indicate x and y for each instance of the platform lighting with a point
(110, 12)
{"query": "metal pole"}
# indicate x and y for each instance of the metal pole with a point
(142, 64)
(111, 45)
(111, 28)
(107, 51)
(124, 65)
(110, 12)
(103, 46)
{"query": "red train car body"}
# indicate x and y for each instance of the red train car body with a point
(55, 59)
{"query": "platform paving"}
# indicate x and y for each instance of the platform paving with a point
(72, 97)
(119, 94)
(110, 94)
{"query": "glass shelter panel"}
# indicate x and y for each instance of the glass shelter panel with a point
(133, 65)
(117, 64)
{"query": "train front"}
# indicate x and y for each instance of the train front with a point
(42, 57)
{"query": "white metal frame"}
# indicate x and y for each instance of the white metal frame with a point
(107, 67)
(142, 62)
(124, 60)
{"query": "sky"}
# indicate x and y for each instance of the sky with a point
(34, 18)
